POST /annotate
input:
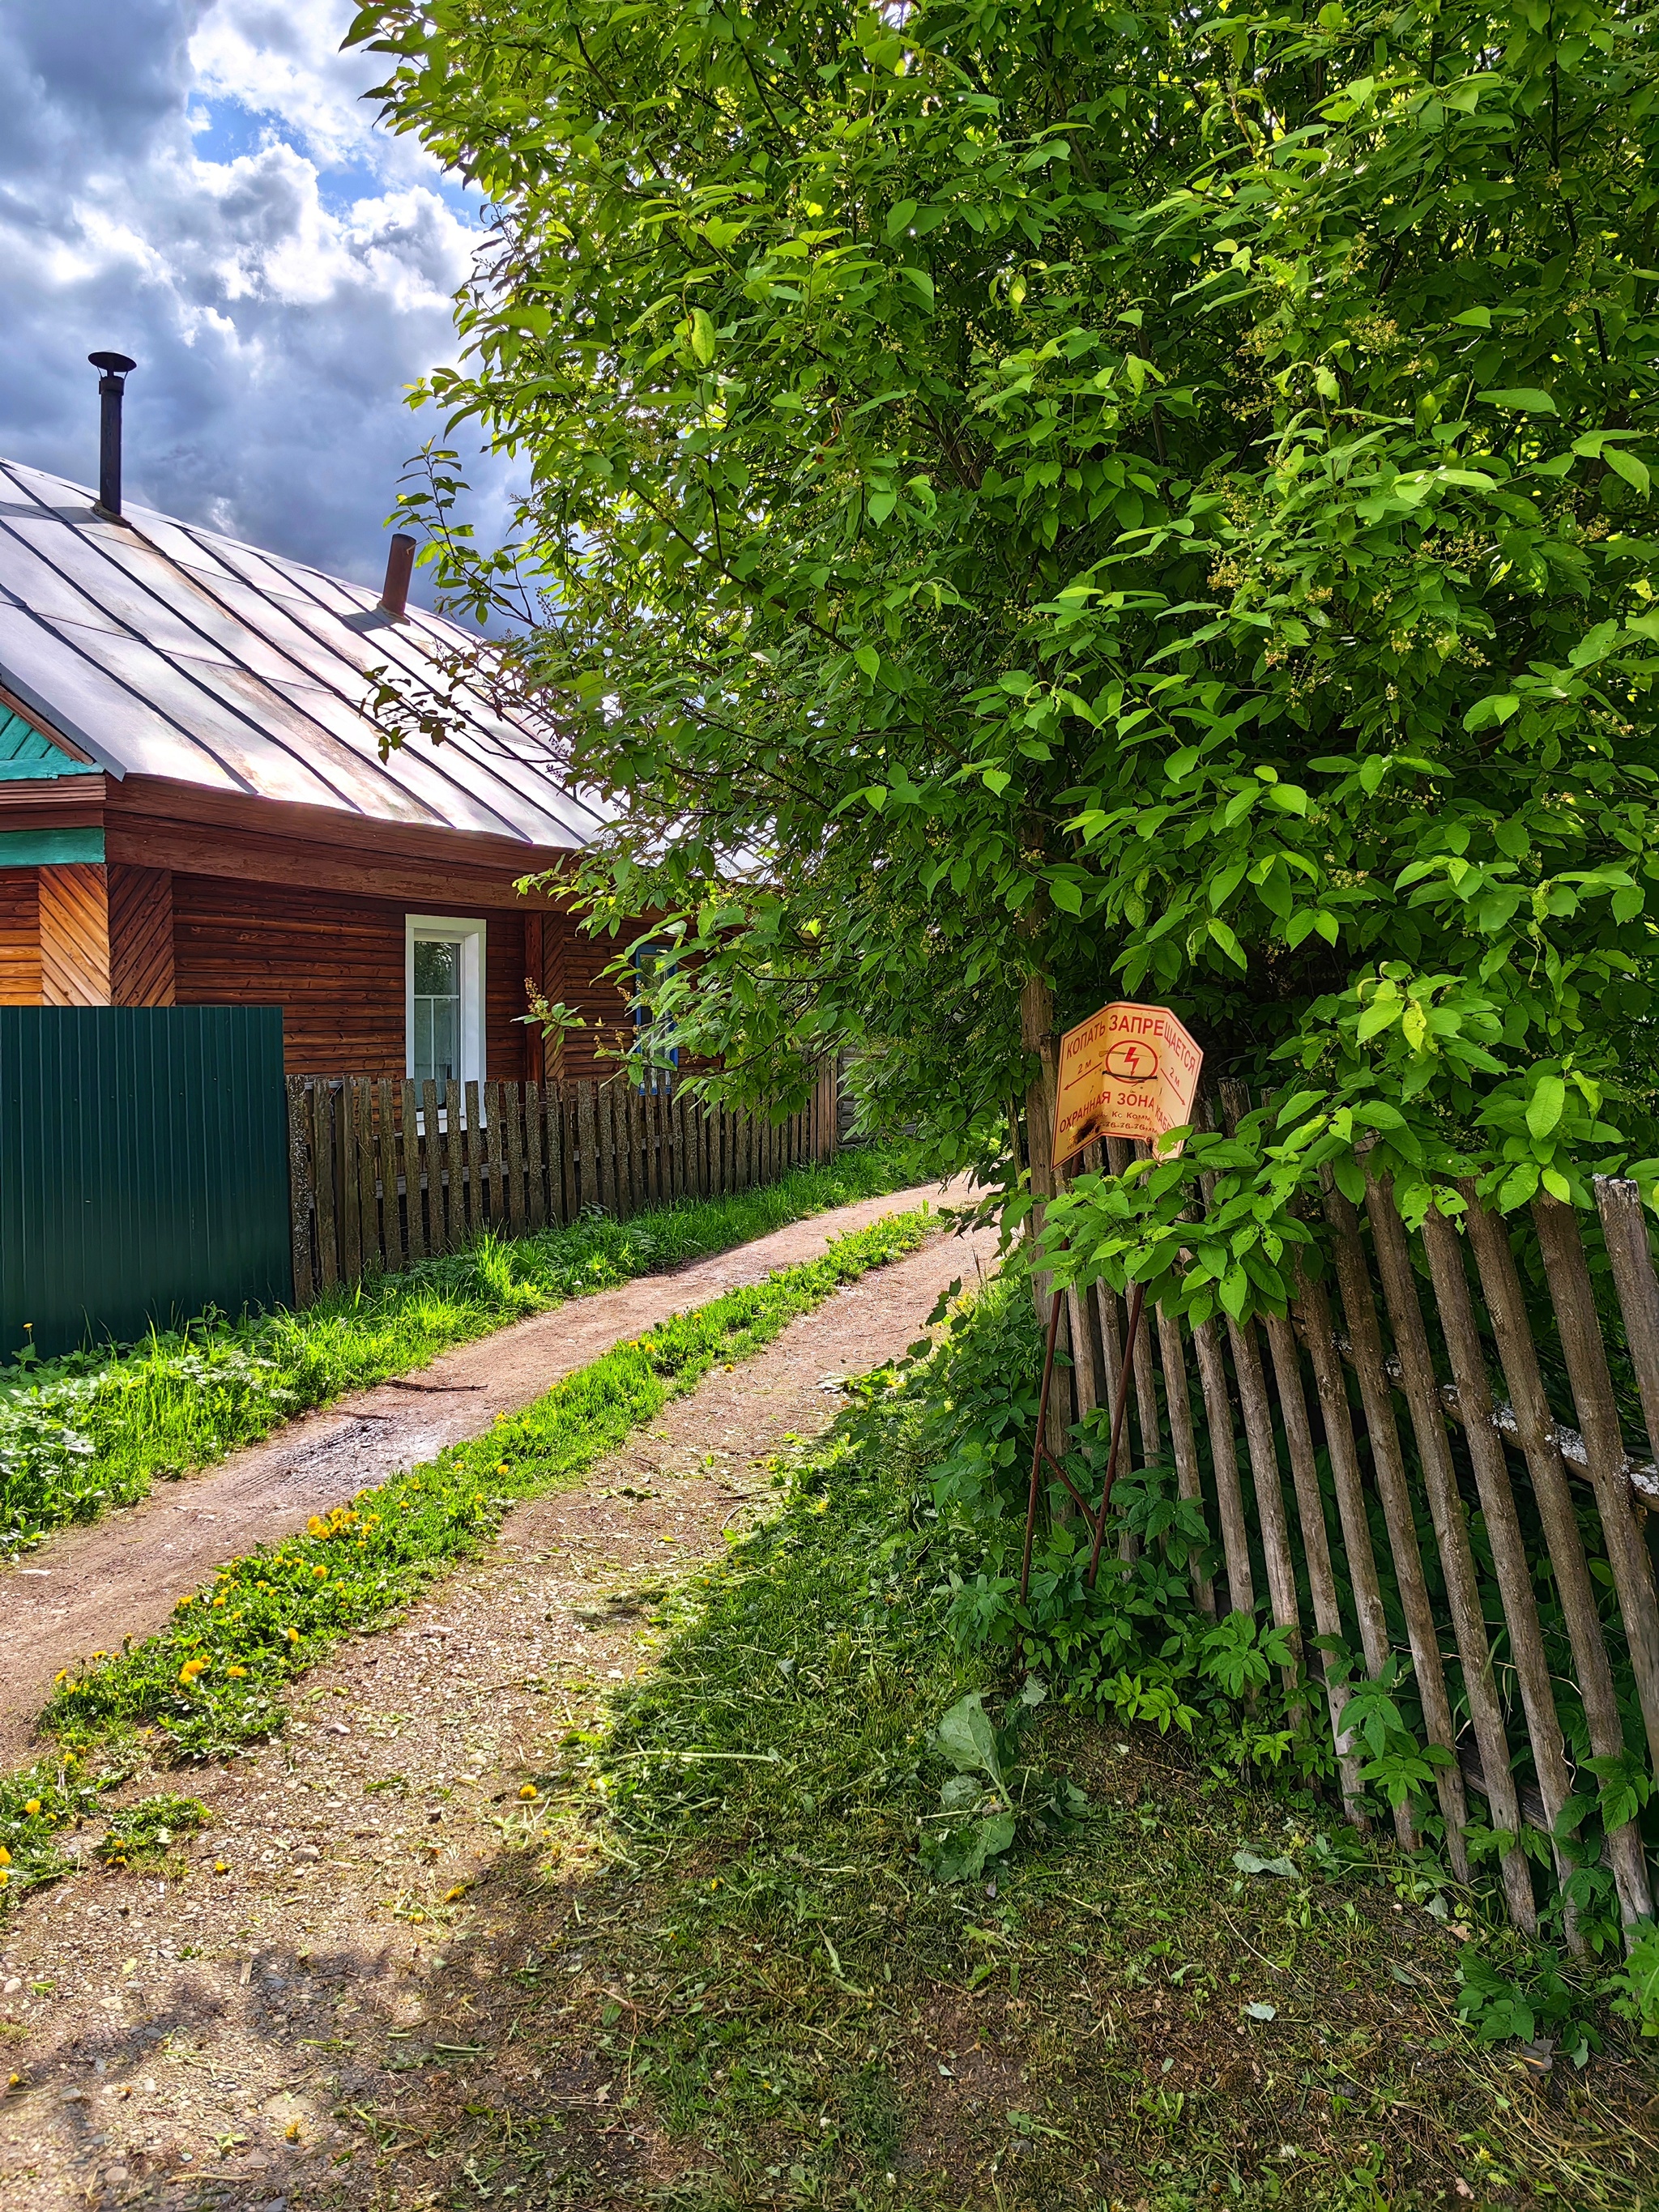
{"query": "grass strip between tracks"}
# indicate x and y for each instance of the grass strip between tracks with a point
(211, 1680)
(91, 1431)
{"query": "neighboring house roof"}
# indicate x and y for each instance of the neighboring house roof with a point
(160, 649)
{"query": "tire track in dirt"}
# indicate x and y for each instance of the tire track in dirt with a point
(321, 2025)
(122, 1576)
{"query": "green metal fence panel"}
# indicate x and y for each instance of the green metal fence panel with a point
(143, 1170)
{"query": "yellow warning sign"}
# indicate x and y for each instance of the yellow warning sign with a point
(1129, 1071)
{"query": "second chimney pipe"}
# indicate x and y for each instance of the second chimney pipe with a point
(116, 368)
(400, 567)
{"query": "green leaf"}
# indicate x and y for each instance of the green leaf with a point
(1230, 944)
(968, 1739)
(1527, 401)
(702, 336)
(868, 660)
(1626, 465)
(1544, 1107)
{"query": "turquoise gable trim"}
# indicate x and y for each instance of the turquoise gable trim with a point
(27, 758)
(47, 848)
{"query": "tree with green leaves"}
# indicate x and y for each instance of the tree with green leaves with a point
(1045, 499)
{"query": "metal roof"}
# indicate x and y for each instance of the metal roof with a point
(162, 649)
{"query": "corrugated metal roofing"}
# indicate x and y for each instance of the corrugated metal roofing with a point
(162, 649)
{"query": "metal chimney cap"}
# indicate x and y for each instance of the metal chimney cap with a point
(113, 364)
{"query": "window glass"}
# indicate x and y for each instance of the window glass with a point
(659, 1055)
(437, 1011)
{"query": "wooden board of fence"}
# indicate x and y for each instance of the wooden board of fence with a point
(1442, 1456)
(386, 1174)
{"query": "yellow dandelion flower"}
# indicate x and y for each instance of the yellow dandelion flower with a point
(530, 1791)
(33, 1806)
(220, 1598)
(236, 1673)
(5, 1856)
(319, 1574)
(5, 1876)
(292, 1634)
(219, 1867)
(501, 1468)
(451, 1895)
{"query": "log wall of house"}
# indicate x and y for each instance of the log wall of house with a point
(335, 964)
(20, 937)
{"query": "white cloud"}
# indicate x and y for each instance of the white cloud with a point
(198, 183)
(284, 64)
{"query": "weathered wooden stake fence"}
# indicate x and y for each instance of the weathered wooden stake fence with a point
(383, 1174)
(1376, 1543)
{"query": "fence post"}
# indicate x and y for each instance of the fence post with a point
(493, 1166)
(298, 1190)
(1444, 1250)
(1258, 1439)
(535, 1168)
(1598, 1418)
(1388, 1466)
(351, 1214)
(1624, 1227)
(1189, 1482)
(1500, 1286)
(513, 1095)
(391, 1229)
(1336, 1417)
(323, 1186)
(415, 1227)
(1411, 1345)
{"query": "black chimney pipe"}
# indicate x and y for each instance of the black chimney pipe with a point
(400, 567)
(115, 367)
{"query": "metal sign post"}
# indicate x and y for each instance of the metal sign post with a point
(1129, 1071)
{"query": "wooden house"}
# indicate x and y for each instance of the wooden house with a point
(194, 809)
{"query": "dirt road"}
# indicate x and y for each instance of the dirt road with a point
(321, 2024)
(90, 1587)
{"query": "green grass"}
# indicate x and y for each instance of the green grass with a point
(735, 1935)
(211, 1681)
(95, 1429)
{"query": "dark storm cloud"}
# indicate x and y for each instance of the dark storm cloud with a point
(198, 183)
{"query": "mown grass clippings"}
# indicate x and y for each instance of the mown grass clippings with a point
(211, 1681)
(92, 1430)
(1204, 1993)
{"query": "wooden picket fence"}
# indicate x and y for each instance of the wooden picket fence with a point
(1415, 1393)
(384, 1174)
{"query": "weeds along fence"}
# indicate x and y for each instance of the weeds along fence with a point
(382, 1173)
(1445, 1454)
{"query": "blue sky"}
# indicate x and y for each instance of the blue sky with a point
(200, 184)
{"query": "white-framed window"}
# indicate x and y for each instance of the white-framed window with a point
(444, 999)
(658, 1072)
